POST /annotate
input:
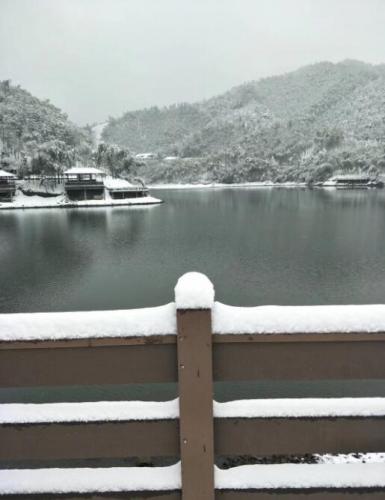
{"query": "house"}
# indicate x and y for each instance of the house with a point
(84, 183)
(7, 186)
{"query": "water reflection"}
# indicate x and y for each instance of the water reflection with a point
(259, 246)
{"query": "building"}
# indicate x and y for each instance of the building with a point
(146, 156)
(120, 189)
(7, 186)
(84, 183)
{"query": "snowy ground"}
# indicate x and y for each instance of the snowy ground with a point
(22, 201)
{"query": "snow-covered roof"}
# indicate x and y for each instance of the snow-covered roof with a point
(145, 155)
(84, 171)
(349, 177)
(112, 183)
(3, 173)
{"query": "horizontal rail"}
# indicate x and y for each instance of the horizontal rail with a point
(299, 360)
(89, 440)
(107, 364)
(219, 495)
(298, 495)
(89, 342)
(239, 338)
(153, 359)
(161, 438)
(217, 339)
(128, 495)
(292, 436)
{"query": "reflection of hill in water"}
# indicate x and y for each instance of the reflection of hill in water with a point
(47, 255)
(352, 197)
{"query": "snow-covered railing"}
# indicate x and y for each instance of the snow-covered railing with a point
(194, 342)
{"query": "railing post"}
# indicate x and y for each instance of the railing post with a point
(194, 297)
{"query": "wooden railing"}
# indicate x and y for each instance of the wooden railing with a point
(194, 357)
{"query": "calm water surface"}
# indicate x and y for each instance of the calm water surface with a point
(258, 246)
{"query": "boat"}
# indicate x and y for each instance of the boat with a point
(353, 181)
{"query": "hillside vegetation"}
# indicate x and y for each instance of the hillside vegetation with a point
(36, 136)
(301, 126)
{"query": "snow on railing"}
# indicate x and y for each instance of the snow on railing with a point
(67, 480)
(91, 324)
(118, 411)
(298, 319)
(193, 291)
(301, 476)
(181, 347)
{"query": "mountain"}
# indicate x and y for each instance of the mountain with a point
(300, 126)
(35, 135)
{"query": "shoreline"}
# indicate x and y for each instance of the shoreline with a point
(22, 204)
(215, 185)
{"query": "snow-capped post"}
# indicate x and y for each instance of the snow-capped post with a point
(194, 297)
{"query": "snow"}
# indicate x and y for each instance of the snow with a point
(351, 458)
(84, 171)
(298, 319)
(115, 479)
(95, 324)
(101, 411)
(352, 475)
(145, 156)
(194, 291)
(88, 480)
(22, 201)
(301, 407)
(112, 183)
(97, 131)
(3, 173)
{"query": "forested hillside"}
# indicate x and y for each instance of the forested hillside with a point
(37, 136)
(301, 126)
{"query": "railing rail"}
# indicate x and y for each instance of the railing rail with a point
(195, 358)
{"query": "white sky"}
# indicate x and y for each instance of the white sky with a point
(95, 58)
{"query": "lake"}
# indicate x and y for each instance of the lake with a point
(258, 246)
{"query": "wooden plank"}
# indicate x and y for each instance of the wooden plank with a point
(298, 360)
(115, 364)
(196, 404)
(295, 436)
(299, 337)
(95, 342)
(219, 495)
(89, 440)
(352, 494)
(130, 495)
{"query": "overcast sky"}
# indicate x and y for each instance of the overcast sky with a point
(95, 58)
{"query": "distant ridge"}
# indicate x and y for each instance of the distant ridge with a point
(299, 126)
